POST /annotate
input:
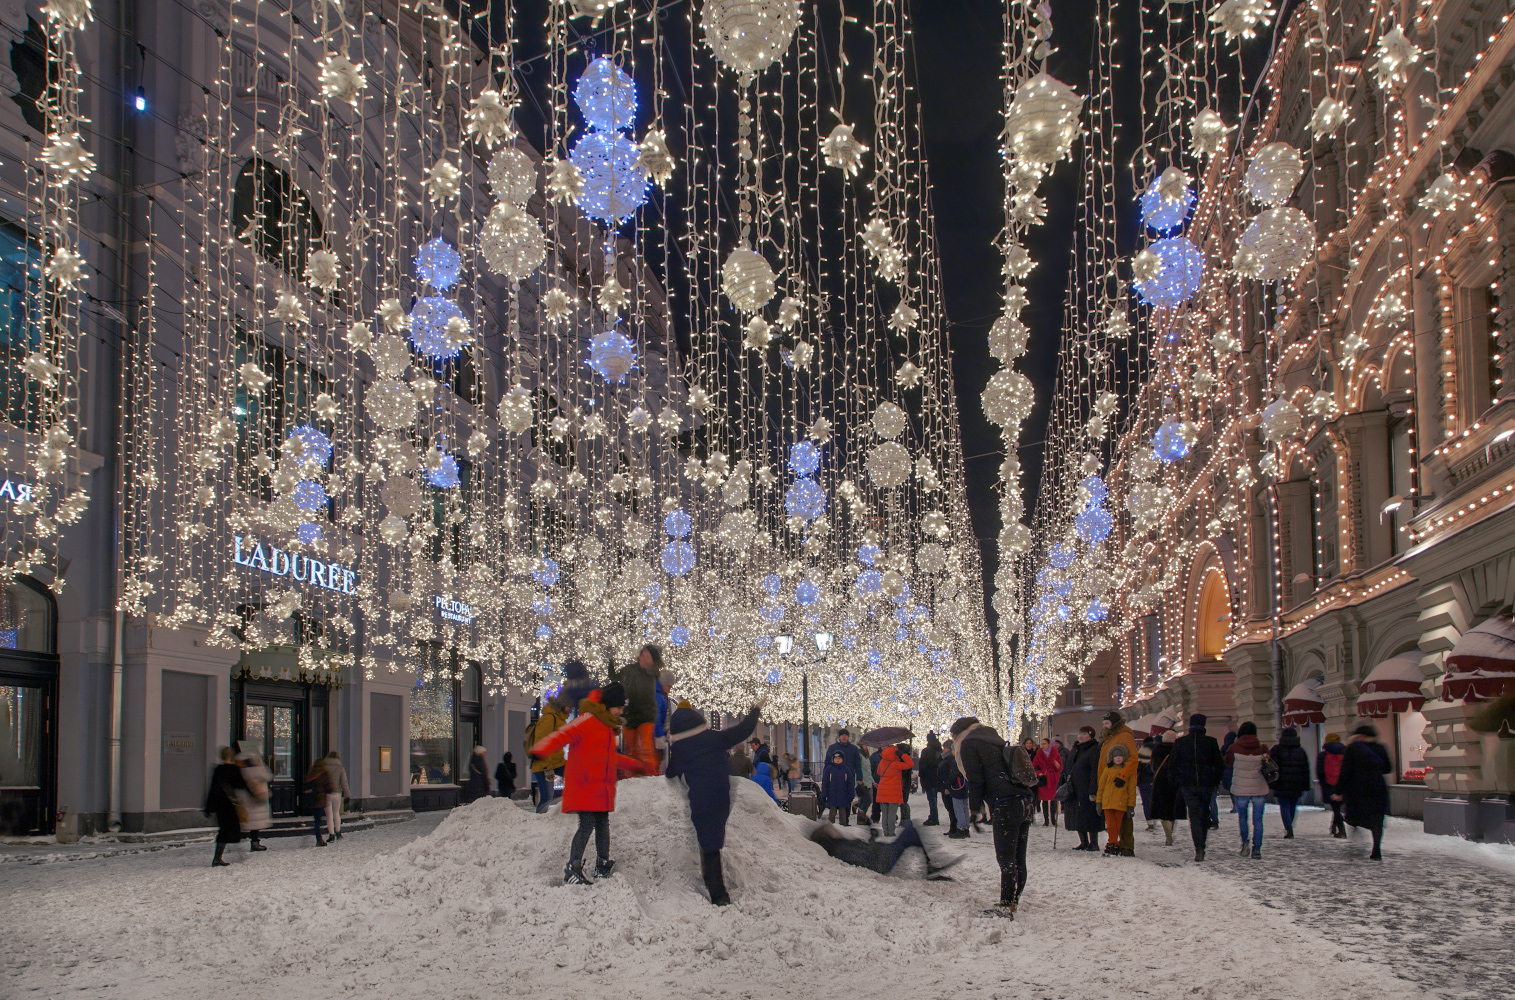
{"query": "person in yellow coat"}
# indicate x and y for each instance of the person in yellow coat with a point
(554, 717)
(1117, 785)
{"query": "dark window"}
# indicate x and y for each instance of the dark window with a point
(264, 418)
(29, 63)
(273, 216)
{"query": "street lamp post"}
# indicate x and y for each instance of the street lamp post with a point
(822, 647)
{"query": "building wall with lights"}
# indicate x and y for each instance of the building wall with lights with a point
(1379, 533)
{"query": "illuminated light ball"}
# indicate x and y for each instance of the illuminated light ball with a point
(512, 176)
(1008, 398)
(1178, 278)
(748, 36)
(1280, 421)
(512, 242)
(1168, 443)
(892, 583)
(875, 657)
(773, 676)
(309, 532)
(1063, 611)
(542, 605)
(1062, 588)
(1274, 173)
(438, 264)
(1096, 611)
(546, 572)
(1061, 555)
(677, 524)
(678, 558)
(888, 464)
(652, 592)
(1094, 523)
(867, 552)
(678, 635)
(901, 634)
(606, 96)
(1096, 487)
(870, 583)
(445, 476)
(772, 584)
(772, 613)
(428, 327)
(805, 499)
(1162, 215)
(804, 458)
(849, 641)
(544, 631)
(806, 593)
(747, 280)
(391, 404)
(315, 444)
(1276, 244)
(615, 182)
(612, 355)
(939, 656)
(310, 495)
(1042, 120)
(931, 558)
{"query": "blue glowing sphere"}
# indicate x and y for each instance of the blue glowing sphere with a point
(678, 635)
(1062, 588)
(901, 634)
(309, 532)
(806, 499)
(1165, 216)
(1096, 487)
(677, 524)
(849, 641)
(1168, 443)
(606, 96)
(544, 631)
(542, 605)
(1096, 611)
(1063, 611)
(867, 553)
(678, 558)
(773, 675)
(1061, 555)
(772, 584)
(1182, 268)
(428, 327)
(615, 184)
(547, 573)
(652, 592)
(875, 657)
(763, 641)
(316, 445)
(1093, 523)
(772, 613)
(869, 582)
(310, 495)
(804, 458)
(612, 355)
(438, 264)
(445, 476)
(806, 593)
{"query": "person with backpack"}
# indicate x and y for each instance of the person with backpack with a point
(1000, 776)
(505, 777)
(949, 777)
(1361, 786)
(1293, 778)
(590, 778)
(1082, 777)
(697, 754)
(1328, 773)
(762, 771)
(1196, 764)
(1117, 733)
(930, 763)
(894, 767)
(1251, 767)
(554, 716)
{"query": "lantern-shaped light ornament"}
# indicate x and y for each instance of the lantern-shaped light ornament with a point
(748, 36)
(1168, 200)
(613, 180)
(1169, 442)
(1274, 173)
(1277, 243)
(747, 280)
(1178, 277)
(1043, 120)
(889, 464)
(805, 499)
(606, 96)
(612, 355)
(1280, 421)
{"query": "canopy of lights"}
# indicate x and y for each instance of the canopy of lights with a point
(515, 341)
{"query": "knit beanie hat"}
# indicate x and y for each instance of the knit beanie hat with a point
(685, 721)
(1086, 729)
(1247, 729)
(1171, 736)
(666, 677)
(962, 724)
(1196, 720)
(612, 695)
(1366, 730)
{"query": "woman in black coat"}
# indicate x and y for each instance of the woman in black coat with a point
(1167, 804)
(1293, 776)
(1082, 774)
(221, 801)
(505, 777)
(1361, 786)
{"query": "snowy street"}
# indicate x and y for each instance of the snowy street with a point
(469, 905)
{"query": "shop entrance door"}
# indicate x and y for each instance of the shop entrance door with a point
(28, 709)
(272, 728)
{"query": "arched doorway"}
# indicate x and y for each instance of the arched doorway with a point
(1214, 616)
(28, 708)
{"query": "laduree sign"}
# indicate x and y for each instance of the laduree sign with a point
(454, 611)
(267, 559)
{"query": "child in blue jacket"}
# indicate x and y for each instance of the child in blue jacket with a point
(698, 754)
(836, 787)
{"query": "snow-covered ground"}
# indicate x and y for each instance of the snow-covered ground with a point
(469, 906)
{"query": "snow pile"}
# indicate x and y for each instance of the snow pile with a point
(476, 909)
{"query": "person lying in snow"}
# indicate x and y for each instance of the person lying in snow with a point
(697, 754)
(877, 855)
(589, 780)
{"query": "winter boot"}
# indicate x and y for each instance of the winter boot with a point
(573, 874)
(604, 868)
(715, 879)
(1168, 832)
(1199, 855)
(1256, 853)
(217, 862)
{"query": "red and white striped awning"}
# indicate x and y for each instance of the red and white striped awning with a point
(1163, 721)
(1303, 706)
(1482, 664)
(1392, 686)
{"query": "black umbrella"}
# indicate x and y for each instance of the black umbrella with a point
(885, 736)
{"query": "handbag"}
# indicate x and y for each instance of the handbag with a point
(1269, 769)
(1064, 791)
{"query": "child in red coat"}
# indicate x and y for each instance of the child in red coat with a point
(590, 775)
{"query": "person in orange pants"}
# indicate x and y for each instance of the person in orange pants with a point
(1117, 794)
(640, 679)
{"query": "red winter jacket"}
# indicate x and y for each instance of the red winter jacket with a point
(589, 774)
(1049, 765)
(891, 775)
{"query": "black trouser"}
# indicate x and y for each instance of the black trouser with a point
(1338, 824)
(1197, 802)
(1012, 827)
(599, 824)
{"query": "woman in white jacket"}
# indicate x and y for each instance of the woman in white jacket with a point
(252, 803)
